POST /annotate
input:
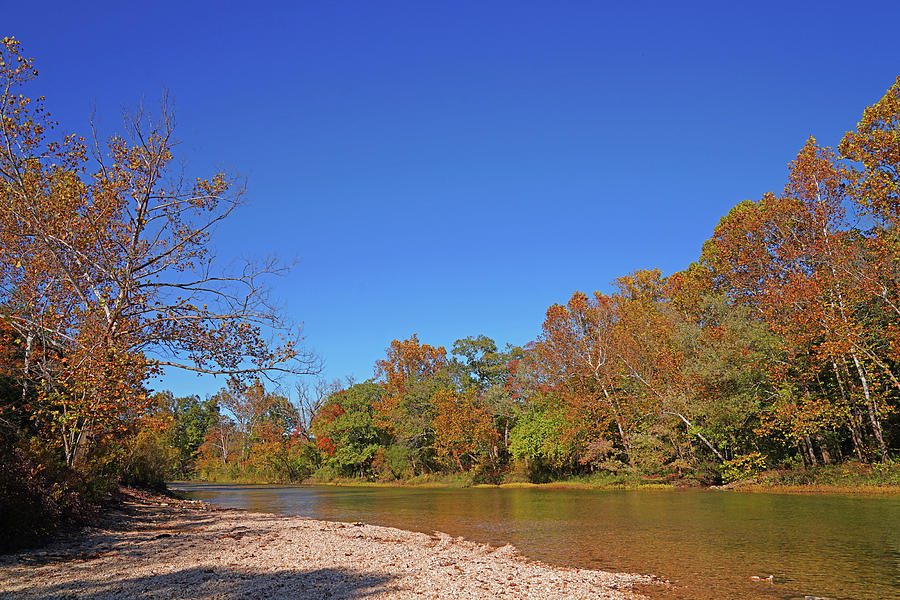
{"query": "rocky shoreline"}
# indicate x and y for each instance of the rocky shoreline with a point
(156, 547)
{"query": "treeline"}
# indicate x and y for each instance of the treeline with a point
(425, 414)
(778, 348)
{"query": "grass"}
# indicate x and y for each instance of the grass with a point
(874, 490)
(849, 477)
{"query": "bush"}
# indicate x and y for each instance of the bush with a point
(651, 455)
(149, 460)
(518, 472)
(38, 496)
(745, 466)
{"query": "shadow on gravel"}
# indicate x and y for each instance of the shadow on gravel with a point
(131, 517)
(130, 531)
(226, 584)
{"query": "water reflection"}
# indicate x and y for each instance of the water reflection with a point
(709, 543)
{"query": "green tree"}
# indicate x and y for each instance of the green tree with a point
(192, 419)
(346, 431)
(543, 438)
(478, 363)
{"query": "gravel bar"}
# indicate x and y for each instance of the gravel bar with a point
(153, 547)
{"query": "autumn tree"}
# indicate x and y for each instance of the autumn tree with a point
(654, 357)
(463, 429)
(410, 374)
(575, 355)
(727, 354)
(795, 260)
(108, 272)
(219, 445)
(251, 406)
(874, 269)
(875, 146)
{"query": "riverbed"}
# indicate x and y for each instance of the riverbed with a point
(710, 544)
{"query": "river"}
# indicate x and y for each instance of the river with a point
(708, 543)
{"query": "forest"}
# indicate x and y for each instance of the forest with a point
(776, 351)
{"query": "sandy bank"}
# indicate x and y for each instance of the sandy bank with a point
(151, 547)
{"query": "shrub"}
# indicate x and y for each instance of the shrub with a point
(745, 466)
(149, 460)
(38, 495)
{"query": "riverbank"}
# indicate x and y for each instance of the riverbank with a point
(749, 486)
(812, 489)
(162, 548)
(850, 477)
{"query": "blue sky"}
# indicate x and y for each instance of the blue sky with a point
(452, 169)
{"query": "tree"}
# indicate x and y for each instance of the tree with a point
(310, 400)
(463, 429)
(347, 432)
(220, 444)
(875, 190)
(575, 355)
(795, 260)
(192, 419)
(251, 406)
(480, 366)
(410, 375)
(876, 145)
(544, 437)
(108, 273)
(726, 359)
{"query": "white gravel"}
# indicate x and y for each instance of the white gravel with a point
(154, 547)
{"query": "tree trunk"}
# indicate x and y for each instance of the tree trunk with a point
(619, 423)
(801, 448)
(82, 442)
(26, 369)
(811, 450)
(823, 448)
(697, 433)
(852, 421)
(873, 410)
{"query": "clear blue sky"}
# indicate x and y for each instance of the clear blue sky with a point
(451, 169)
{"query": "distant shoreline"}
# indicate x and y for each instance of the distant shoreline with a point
(162, 547)
(744, 486)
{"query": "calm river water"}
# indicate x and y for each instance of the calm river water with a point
(708, 543)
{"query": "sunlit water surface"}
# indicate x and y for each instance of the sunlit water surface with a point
(708, 543)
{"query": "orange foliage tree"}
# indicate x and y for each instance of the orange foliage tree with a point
(407, 375)
(107, 273)
(463, 429)
(797, 261)
(577, 357)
